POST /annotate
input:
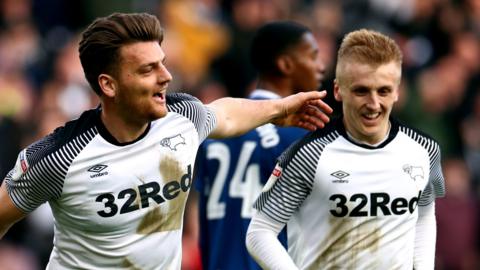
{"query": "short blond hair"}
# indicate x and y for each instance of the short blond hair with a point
(367, 47)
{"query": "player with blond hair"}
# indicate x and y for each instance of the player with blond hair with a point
(360, 193)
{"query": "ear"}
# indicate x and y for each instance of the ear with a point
(336, 91)
(285, 64)
(396, 91)
(107, 84)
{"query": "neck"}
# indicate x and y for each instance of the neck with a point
(120, 128)
(278, 86)
(370, 141)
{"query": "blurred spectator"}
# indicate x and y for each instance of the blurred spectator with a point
(233, 69)
(18, 46)
(67, 92)
(191, 259)
(194, 36)
(434, 96)
(471, 136)
(457, 220)
(9, 132)
(14, 257)
(472, 9)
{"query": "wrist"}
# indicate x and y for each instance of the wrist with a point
(278, 109)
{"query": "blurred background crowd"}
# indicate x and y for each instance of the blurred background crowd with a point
(206, 44)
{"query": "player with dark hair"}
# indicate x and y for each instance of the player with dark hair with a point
(360, 193)
(117, 178)
(231, 172)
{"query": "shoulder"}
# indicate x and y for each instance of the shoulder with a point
(187, 105)
(312, 144)
(85, 125)
(79, 131)
(41, 168)
(421, 138)
(179, 98)
(190, 107)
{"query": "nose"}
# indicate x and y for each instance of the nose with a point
(320, 66)
(373, 102)
(164, 75)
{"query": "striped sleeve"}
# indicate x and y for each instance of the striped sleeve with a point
(201, 116)
(40, 170)
(293, 178)
(436, 185)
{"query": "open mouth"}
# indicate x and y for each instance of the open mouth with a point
(159, 96)
(371, 116)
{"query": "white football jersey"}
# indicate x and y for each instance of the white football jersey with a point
(353, 206)
(116, 206)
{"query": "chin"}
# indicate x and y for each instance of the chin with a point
(157, 115)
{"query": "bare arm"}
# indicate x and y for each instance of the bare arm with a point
(236, 116)
(9, 213)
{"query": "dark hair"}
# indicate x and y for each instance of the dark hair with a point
(99, 47)
(271, 41)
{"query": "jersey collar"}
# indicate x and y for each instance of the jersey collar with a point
(109, 137)
(391, 135)
(263, 94)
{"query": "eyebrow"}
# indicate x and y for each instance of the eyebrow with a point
(152, 63)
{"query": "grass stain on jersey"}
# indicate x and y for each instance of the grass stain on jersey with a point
(348, 238)
(170, 169)
(129, 264)
(138, 198)
(169, 215)
(336, 243)
(161, 220)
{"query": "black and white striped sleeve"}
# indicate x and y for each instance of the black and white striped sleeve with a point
(201, 116)
(436, 184)
(297, 167)
(40, 170)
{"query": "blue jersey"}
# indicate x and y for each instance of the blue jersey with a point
(230, 175)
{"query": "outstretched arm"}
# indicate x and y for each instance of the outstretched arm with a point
(236, 116)
(9, 213)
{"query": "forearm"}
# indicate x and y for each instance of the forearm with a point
(263, 245)
(4, 229)
(425, 238)
(9, 213)
(236, 116)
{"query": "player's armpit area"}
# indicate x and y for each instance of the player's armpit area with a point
(9, 213)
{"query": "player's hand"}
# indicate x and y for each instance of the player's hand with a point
(306, 110)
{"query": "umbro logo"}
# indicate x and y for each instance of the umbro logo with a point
(98, 170)
(340, 175)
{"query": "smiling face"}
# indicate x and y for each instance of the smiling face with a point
(368, 94)
(140, 83)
